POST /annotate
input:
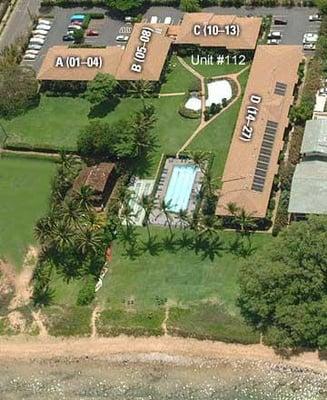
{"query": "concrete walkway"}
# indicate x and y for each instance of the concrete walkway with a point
(203, 124)
(171, 94)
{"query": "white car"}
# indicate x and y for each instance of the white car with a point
(35, 52)
(167, 20)
(310, 38)
(35, 40)
(43, 27)
(42, 21)
(273, 41)
(40, 32)
(315, 17)
(309, 46)
(39, 37)
(34, 46)
(122, 38)
(29, 57)
(154, 20)
(274, 35)
(74, 27)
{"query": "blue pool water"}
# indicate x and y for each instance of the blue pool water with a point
(180, 186)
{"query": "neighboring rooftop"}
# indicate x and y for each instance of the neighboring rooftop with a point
(96, 177)
(315, 137)
(157, 49)
(110, 59)
(309, 188)
(249, 29)
(258, 137)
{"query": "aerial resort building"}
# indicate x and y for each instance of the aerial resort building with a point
(148, 47)
(258, 137)
(309, 185)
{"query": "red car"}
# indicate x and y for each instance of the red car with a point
(92, 32)
(79, 23)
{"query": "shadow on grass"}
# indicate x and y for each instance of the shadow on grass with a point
(153, 246)
(242, 246)
(104, 108)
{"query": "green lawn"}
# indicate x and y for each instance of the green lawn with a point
(179, 79)
(176, 274)
(216, 70)
(216, 137)
(24, 191)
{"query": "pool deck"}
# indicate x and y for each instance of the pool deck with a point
(157, 217)
(139, 187)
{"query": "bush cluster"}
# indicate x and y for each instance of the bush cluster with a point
(187, 113)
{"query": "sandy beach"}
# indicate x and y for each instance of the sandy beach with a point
(160, 368)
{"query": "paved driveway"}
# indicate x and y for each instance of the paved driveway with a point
(19, 21)
(108, 30)
(297, 19)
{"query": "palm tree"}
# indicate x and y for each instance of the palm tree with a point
(165, 208)
(147, 203)
(43, 230)
(84, 197)
(67, 161)
(183, 218)
(89, 241)
(245, 221)
(62, 236)
(232, 208)
(72, 213)
(142, 89)
(200, 158)
(209, 225)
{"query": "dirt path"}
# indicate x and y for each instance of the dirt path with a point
(172, 94)
(94, 317)
(23, 289)
(38, 318)
(164, 323)
(203, 123)
(23, 348)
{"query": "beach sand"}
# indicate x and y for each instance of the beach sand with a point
(126, 368)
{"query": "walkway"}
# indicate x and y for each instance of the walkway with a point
(203, 124)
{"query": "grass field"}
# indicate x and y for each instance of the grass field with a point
(24, 191)
(216, 137)
(216, 70)
(179, 79)
(174, 273)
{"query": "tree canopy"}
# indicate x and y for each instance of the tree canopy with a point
(101, 88)
(18, 89)
(322, 5)
(284, 289)
(125, 5)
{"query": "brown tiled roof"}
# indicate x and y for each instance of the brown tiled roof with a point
(96, 177)
(271, 64)
(247, 39)
(156, 54)
(111, 58)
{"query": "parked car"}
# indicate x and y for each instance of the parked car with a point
(44, 21)
(68, 38)
(274, 35)
(92, 32)
(36, 52)
(167, 20)
(128, 20)
(35, 40)
(40, 32)
(323, 91)
(310, 37)
(280, 21)
(29, 57)
(34, 46)
(273, 41)
(122, 38)
(39, 37)
(77, 17)
(78, 23)
(315, 17)
(43, 27)
(74, 27)
(154, 20)
(309, 46)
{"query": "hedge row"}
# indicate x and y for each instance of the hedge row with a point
(187, 113)
(41, 148)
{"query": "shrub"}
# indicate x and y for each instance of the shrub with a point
(295, 145)
(86, 293)
(96, 15)
(187, 113)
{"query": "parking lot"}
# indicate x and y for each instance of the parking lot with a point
(292, 33)
(108, 29)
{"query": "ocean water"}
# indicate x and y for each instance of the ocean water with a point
(87, 379)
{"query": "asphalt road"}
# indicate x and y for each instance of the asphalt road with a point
(19, 21)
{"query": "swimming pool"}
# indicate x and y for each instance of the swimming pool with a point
(180, 187)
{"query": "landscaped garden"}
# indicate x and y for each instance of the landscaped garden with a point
(24, 191)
